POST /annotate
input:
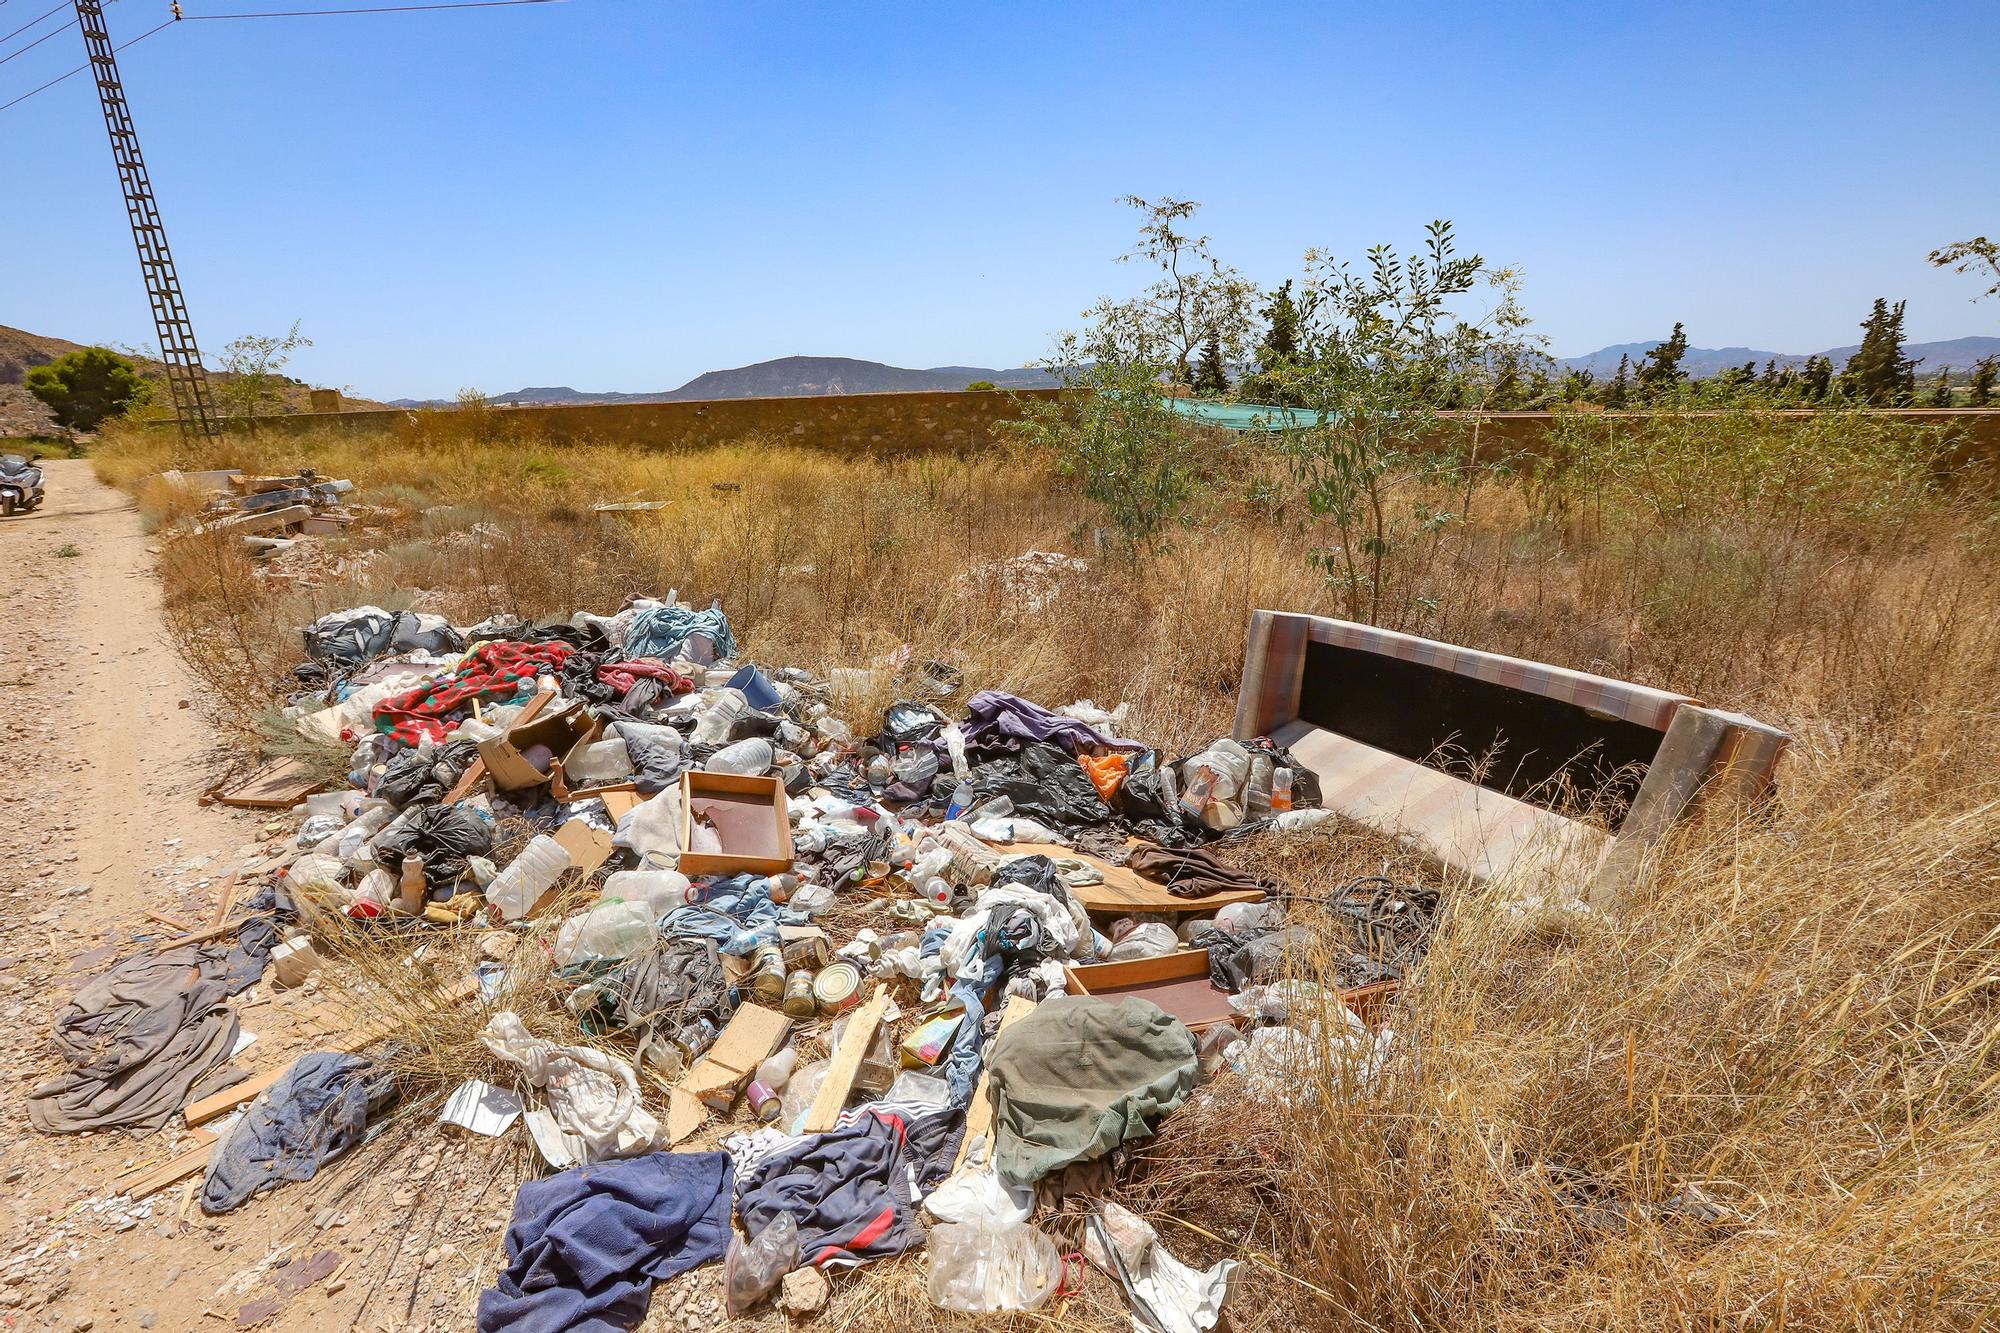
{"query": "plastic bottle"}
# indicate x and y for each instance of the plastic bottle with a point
(410, 889)
(751, 758)
(606, 932)
(1281, 790)
(661, 890)
(600, 761)
(351, 839)
(718, 714)
(518, 887)
(776, 1071)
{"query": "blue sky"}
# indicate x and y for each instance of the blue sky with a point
(624, 193)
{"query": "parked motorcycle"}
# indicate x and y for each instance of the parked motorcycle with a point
(20, 485)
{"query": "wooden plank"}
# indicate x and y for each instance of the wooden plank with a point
(276, 786)
(979, 1115)
(1125, 890)
(192, 1161)
(846, 1067)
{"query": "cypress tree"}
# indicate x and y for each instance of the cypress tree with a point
(1618, 392)
(1878, 373)
(1983, 375)
(1211, 380)
(1941, 389)
(1661, 368)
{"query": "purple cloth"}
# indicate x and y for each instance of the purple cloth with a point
(991, 714)
(586, 1245)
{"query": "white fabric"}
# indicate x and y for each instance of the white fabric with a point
(593, 1095)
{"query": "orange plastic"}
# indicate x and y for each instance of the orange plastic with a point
(1107, 771)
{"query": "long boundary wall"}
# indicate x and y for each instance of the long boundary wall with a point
(908, 423)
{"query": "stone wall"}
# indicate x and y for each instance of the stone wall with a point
(865, 423)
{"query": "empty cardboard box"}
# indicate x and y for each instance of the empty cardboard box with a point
(749, 816)
(563, 732)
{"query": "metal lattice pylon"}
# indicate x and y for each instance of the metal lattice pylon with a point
(187, 381)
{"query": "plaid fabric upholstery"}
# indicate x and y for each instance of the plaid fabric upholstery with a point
(492, 672)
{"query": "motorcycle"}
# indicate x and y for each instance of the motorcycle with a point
(20, 485)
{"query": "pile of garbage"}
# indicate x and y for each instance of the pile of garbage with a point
(1004, 925)
(268, 513)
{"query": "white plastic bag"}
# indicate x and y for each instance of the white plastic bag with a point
(1182, 1299)
(985, 1270)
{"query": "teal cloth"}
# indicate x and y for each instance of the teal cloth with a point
(1079, 1076)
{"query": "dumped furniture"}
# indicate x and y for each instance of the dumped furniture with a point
(1501, 768)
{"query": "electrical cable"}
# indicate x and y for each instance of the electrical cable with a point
(38, 41)
(32, 22)
(371, 9)
(81, 68)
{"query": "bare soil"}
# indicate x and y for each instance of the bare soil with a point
(108, 749)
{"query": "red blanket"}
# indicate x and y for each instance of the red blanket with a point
(494, 672)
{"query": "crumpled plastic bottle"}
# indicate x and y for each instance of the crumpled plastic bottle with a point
(752, 1268)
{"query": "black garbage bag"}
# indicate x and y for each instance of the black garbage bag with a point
(420, 777)
(907, 723)
(348, 639)
(443, 835)
(1042, 781)
(579, 678)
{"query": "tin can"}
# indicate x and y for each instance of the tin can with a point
(799, 1001)
(764, 1103)
(837, 988)
(696, 1037)
(810, 952)
(767, 978)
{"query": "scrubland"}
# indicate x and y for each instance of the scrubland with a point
(1762, 1095)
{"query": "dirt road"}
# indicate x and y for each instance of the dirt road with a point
(108, 746)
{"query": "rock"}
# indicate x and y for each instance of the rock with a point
(82, 1323)
(147, 1318)
(804, 1291)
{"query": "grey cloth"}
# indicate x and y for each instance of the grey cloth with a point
(1080, 1076)
(312, 1115)
(655, 751)
(141, 1041)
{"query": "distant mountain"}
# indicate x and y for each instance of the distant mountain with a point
(1702, 362)
(787, 377)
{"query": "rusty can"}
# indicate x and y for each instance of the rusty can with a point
(810, 952)
(837, 988)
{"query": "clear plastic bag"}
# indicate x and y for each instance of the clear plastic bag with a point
(985, 1270)
(751, 1269)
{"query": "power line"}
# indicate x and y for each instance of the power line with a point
(32, 22)
(38, 41)
(372, 9)
(81, 68)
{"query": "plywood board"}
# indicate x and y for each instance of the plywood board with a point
(1126, 890)
(846, 1066)
(753, 1033)
(979, 1115)
(276, 786)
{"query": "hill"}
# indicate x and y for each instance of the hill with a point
(1702, 362)
(21, 351)
(786, 377)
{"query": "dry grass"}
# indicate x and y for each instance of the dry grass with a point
(1795, 1017)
